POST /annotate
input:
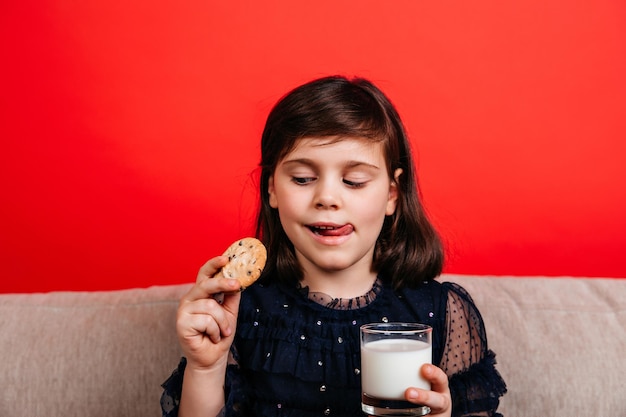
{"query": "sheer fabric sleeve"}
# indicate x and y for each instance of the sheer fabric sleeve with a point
(173, 387)
(475, 384)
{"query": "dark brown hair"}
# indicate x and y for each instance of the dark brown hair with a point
(408, 250)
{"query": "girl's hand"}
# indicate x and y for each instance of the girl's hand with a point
(438, 399)
(206, 326)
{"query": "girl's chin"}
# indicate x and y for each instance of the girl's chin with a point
(331, 265)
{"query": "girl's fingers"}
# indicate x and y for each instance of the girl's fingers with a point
(206, 286)
(438, 403)
(206, 325)
(199, 317)
(206, 307)
(438, 398)
(438, 379)
(207, 317)
(211, 267)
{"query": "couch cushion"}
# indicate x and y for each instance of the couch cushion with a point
(87, 353)
(106, 353)
(559, 342)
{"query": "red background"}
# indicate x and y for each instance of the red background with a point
(130, 129)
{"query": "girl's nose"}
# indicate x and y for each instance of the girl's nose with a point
(327, 196)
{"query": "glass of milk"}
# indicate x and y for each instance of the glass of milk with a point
(391, 357)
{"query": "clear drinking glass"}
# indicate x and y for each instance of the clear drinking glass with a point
(391, 357)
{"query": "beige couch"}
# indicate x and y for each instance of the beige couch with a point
(561, 346)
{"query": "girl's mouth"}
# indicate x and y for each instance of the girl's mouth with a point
(331, 230)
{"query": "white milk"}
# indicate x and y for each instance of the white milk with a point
(390, 366)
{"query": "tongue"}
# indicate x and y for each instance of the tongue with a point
(339, 231)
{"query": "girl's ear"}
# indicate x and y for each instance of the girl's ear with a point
(393, 193)
(272, 192)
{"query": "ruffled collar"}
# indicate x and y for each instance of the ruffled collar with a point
(343, 303)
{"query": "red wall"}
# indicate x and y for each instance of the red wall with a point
(130, 129)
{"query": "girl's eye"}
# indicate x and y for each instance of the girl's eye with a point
(353, 184)
(302, 180)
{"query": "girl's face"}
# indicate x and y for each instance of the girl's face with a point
(332, 196)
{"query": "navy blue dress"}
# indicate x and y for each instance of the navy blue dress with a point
(297, 357)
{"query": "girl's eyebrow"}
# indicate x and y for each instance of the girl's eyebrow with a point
(312, 163)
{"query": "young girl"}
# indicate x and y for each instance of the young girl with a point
(348, 243)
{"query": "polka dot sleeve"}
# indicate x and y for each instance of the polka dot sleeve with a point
(475, 384)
